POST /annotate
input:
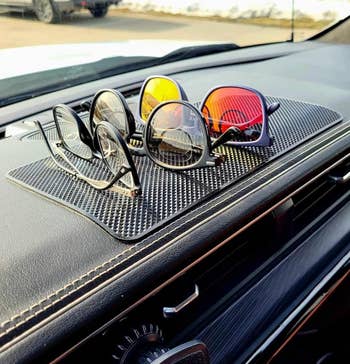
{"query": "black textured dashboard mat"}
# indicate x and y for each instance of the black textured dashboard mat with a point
(166, 194)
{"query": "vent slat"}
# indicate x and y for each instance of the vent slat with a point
(315, 199)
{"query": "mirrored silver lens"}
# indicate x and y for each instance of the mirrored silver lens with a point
(176, 135)
(109, 107)
(113, 154)
(68, 127)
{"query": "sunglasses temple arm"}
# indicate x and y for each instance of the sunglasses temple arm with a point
(74, 170)
(100, 185)
(272, 108)
(52, 154)
(225, 137)
(130, 191)
(97, 184)
(41, 129)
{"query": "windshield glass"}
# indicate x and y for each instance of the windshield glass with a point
(47, 45)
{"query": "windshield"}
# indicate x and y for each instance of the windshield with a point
(48, 45)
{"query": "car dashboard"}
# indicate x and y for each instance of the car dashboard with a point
(241, 273)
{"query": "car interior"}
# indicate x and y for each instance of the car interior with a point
(246, 265)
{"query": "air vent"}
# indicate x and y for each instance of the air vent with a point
(127, 93)
(314, 199)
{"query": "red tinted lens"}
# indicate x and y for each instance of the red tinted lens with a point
(232, 106)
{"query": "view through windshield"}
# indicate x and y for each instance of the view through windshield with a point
(45, 35)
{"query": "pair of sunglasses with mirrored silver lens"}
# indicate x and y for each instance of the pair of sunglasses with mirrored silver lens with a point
(106, 143)
(236, 115)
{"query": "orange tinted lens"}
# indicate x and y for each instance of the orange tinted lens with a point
(233, 106)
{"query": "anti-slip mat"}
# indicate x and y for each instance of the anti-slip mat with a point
(165, 194)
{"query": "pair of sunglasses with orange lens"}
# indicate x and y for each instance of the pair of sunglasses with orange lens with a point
(236, 115)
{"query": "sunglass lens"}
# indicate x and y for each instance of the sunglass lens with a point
(176, 135)
(155, 91)
(68, 127)
(234, 107)
(109, 107)
(113, 153)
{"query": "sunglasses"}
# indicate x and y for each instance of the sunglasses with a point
(175, 136)
(237, 114)
(155, 90)
(111, 105)
(76, 143)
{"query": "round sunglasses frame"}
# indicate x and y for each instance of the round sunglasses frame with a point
(84, 133)
(264, 139)
(208, 158)
(130, 117)
(117, 136)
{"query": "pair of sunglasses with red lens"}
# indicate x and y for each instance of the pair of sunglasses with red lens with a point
(236, 115)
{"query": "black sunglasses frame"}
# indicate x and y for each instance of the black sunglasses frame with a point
(264, 140)
(131, 127)
(117, 136)
(208, 158)
(84, 133)
(133, 191)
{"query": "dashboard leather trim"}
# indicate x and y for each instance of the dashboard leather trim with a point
(73, 286)
(41, 259)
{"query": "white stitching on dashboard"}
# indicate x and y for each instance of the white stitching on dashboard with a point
(55, 294)
(63, 292)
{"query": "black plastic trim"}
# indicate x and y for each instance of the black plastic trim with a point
(269, 302)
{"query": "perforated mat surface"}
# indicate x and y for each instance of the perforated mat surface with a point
(166, 194)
